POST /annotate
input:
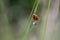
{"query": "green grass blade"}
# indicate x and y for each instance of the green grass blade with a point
(29, 21)
(44, 32)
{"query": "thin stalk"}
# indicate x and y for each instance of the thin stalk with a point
(45, 26)
(28, 24)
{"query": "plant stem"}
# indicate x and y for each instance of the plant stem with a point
(44, 32)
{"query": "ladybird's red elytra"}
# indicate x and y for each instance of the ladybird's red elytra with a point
(35, 17)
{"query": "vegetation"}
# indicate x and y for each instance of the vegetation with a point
(16, 21)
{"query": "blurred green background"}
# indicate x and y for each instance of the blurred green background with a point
(14, 15)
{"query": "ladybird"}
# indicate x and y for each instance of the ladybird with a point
(35, 18)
